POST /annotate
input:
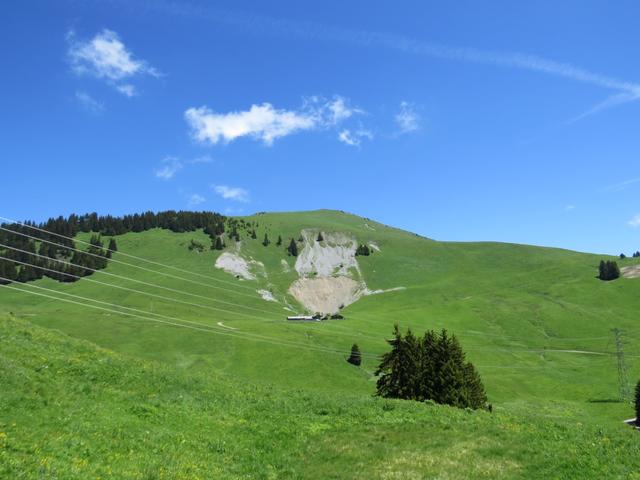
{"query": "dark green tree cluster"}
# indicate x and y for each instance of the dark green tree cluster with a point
(608, 270)
(636, 255)
(356, 357)
(292, 249)
(430, 368)
(363, 250)
(56, 252)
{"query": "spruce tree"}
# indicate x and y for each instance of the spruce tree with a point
(292, 248)
(356, 357)
(113, 246)
(253, 234)
(320, 237)
(279, 242)
(398, 369)
(266, 241)
(218, 245)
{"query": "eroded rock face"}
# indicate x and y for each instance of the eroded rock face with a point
(236, 265)
(632, 271)
(335, 255)
(326, 294)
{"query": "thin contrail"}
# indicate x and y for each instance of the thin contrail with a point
(265, 25)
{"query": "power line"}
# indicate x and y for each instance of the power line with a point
(123, 254)
(122, 277)
(202, 327)
(167, 299)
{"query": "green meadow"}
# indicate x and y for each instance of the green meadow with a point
(205, 379)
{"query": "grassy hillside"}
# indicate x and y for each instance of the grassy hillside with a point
(70, 409)
(517, 310)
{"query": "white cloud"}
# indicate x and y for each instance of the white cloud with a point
(568, 208)
(407, 119)
(196, 199)
(171, 166)
(107, 58)
(340, 110)
(354, 139)
(89, 103)
(266, 123)
(261, 122)
(635, 221)
(127, 90)
(231, 193)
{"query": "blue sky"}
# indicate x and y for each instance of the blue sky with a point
(458, 121)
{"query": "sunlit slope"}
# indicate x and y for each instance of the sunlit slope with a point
(514, 307)
(69, 409)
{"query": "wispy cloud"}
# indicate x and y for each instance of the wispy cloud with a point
(354, 138)
(618, 187)
(266, 123)
(89, 103)
(106, 57)
(170, 166)
(199, 160)
(635, 221)
(195, 199)
(264, 25)
(407, 119)
(569, 208)
(231, 193)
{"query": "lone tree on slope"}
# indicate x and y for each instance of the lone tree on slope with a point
(292, 248)
(356, 357)
(279, 242)
(266, 241)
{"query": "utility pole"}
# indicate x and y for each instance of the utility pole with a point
(623, 379)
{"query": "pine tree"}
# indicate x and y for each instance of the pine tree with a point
(398, 369)
(266, 241)
(292, 248)
(218, 245)
(279, 242)
(253, 234)
(356, 357)
(113, 246)
(320, 237)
